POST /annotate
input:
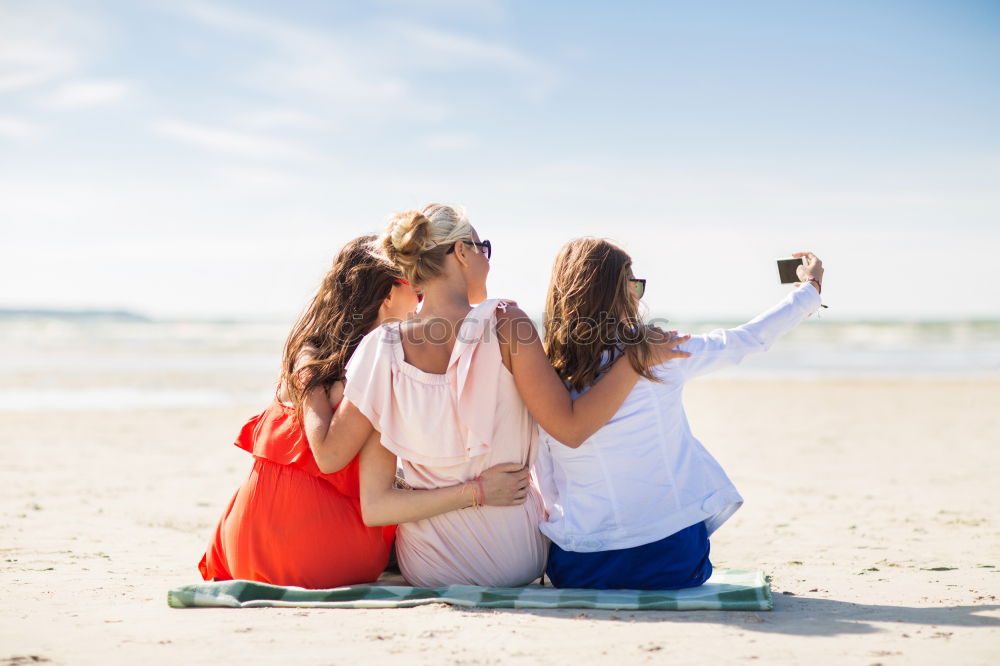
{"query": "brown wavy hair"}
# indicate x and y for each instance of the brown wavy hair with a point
(344, 309)
(590, 315)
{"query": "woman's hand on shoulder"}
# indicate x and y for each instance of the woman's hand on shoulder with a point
(509, 309)
(514, 326)
(664, 344)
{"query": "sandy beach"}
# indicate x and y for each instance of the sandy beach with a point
(178, 181)
(872, 504)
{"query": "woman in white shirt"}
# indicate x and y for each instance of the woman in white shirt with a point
(633, 506)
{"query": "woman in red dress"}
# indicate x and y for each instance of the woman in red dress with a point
(290, 524)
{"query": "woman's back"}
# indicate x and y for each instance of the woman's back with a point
(447, 428)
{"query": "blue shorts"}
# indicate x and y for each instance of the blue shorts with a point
(680, 560)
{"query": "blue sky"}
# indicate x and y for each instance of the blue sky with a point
(207, 159)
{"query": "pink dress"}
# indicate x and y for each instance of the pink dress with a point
(447, 429)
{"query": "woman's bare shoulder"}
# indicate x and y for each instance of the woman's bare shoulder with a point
(508, 310)
(514, 324)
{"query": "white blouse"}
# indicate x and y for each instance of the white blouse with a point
(643, 476)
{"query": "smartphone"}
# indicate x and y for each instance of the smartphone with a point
(786, 269)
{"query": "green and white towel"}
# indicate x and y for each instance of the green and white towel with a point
(725, 590)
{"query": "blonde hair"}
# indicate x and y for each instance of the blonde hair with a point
(418, 240)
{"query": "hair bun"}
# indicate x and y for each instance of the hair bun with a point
(407, 237)
(417, 240)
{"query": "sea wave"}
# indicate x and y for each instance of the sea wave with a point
(122, 398)
(818, 348)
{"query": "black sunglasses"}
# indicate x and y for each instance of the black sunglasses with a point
(485, 245)
(640, 286)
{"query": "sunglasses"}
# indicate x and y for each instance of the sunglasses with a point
(420, 295)
(485, 247)
(640, 286)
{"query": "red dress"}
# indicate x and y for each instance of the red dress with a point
(290, 524)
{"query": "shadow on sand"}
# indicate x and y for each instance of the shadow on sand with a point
(802, 616)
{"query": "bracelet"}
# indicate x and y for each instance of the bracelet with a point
(819, 288)
(471, 487)
(482, 491)
(477, 501)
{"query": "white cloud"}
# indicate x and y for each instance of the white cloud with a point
(450, 141)
(229, 142)
(247, 23)
(365, 71)
(706, 255)
(86, 93)
(492, 10)
(453, 50)
(16, 129)
(416, 46)
(256, 181)
(303, 61)
(41, 41)
(280, 118)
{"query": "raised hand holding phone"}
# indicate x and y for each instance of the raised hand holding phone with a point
(811, 270)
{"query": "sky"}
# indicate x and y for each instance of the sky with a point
(207, 159)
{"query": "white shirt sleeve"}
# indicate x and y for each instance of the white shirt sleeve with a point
(725, 347)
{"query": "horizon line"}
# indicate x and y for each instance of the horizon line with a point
(128, 315)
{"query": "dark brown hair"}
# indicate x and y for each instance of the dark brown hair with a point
(343, 310)
(590, 314)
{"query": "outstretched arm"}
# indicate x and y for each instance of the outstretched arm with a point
(726, 347)
(567, 420)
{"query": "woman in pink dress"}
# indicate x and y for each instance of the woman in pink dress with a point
(452, 392)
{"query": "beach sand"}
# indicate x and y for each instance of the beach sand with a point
(874, 505)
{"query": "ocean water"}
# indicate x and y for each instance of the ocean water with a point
(86, 364)
(895, 350)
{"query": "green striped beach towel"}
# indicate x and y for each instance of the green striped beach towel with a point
(726, 590)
